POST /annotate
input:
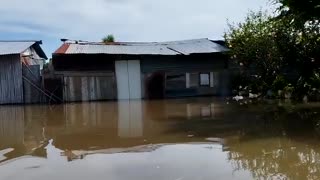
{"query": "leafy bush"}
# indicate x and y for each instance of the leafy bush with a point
(274, 52)
(279, 83)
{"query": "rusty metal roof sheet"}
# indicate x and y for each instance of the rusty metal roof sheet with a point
(62, 49)
(187, 47)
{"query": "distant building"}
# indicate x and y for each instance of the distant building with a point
(122, 70)
(20, 64)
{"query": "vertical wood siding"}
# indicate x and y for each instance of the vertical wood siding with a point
(31, 94)
(89, 88)
(11, 88)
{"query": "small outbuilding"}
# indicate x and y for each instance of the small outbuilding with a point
(20, 71)
(90, 71)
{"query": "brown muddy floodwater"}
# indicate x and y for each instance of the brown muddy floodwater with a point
(183, 139)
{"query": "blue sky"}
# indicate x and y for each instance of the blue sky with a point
(127, 20)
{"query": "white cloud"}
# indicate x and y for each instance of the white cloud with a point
(134, 20)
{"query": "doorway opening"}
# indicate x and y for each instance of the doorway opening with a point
(155, 86)
(55, 87)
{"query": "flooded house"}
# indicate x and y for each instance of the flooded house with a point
(88, 71)
(20, 71)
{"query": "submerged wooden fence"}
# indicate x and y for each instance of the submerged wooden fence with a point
(89, 87)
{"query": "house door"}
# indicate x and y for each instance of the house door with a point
(155, 85)
(128, 79)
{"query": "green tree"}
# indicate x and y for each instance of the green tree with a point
(108, 39)
(304, 16)
(302, 11)
(262, 44)
(270, 47)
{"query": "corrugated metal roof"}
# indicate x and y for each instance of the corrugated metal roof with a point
(197, 47)
(187, 47)
(14, 47)
(118, 49)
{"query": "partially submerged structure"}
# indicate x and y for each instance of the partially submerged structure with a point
(20, 65)
(122, 70)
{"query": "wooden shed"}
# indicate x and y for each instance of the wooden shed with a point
(20, 65)
(139, 70)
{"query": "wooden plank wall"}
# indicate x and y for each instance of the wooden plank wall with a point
(89, 88)
(178, 87)
(176, 84)
(11, 88)
(31, 94)
(172, 64)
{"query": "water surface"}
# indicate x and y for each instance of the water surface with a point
(182, 139)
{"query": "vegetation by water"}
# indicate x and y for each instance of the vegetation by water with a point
(278, 54)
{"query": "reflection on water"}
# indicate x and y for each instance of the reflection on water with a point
(200, 138)
(130, 121)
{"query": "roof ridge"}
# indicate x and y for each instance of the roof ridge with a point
(20, 40)
(81, 42)
(17, 47)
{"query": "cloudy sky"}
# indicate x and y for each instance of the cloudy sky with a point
(127, 20)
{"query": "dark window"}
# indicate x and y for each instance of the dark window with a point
(176, 81)
(194, 79)
(204, 79)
